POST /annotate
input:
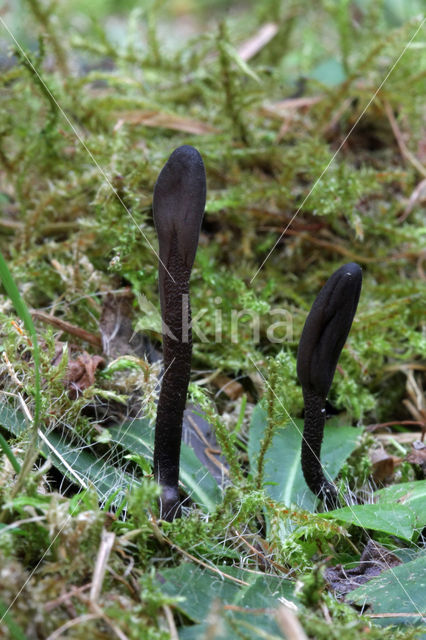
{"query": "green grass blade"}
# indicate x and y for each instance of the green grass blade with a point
(15, 630)
(9, 453)
(22, 311)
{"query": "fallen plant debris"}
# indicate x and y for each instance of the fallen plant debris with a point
(418, 455)
(163, 120)
(81, 373)
(67, 327)
(374, 559)
(383, 464)
(116, 328)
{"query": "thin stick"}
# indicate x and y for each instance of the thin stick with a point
(405, 152)
(379, 425)
(91, 338)
(105, 548)
(204, 564)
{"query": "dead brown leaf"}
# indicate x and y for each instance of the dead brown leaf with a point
(383, 469)
(81, 373)
(374, 559)
(383, 464)
(260, 39)
(163, 121)
(418, 455)
(228, 386)
(284, 107)
(117, 333)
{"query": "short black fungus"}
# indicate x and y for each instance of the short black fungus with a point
(323, 336)
(178, 205)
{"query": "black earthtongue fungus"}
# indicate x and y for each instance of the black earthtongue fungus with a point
(323, 336)
(178, 205)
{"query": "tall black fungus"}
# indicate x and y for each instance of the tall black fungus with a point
(323, 336)
(178, 205)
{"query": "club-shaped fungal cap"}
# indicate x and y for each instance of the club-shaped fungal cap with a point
(326, 329)
(178, 204)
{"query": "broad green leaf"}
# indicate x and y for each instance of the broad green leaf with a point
(248, 626)
(197, 480)
(401, 590)
(74, 458)
(197, 588)
(80, 464)
(408, 494)
(198, 631)
(90, 468)
(12, 420)
(330, 73)
(137, 436)
(397, 12)
(283, 476)
(394, 519)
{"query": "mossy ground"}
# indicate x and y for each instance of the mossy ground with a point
(321, 134)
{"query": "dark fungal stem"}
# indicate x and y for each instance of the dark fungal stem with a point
(178, 205)
(323, 336)
(311, 449)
